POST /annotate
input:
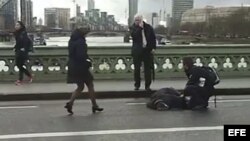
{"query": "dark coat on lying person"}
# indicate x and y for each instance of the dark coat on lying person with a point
(171, 97)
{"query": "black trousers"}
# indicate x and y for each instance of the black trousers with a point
(198, 95)
(20, 61)
(147, 59)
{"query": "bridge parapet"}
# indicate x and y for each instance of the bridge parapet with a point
(115, 62)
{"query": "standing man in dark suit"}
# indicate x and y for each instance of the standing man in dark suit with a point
(143, 48)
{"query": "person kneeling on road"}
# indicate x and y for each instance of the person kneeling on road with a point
(200, 85)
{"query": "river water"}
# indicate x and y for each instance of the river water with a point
(91, 41)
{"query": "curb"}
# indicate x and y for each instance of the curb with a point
(107, 94)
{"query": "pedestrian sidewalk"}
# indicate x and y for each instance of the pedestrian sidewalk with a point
(110, 89)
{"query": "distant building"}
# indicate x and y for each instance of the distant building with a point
(34, 21)
(111, 22)
(91, 4)
(2, 21)
(104, 16)
(40, 21)
(111, 18)
(78, 10)
(133, 10)
(96, 14)
(87, 14)
(178, 8)
(152, 19)
(27, 12)
(57, 18)
(51, 18)
(97, 20)
(204, 14)
(104, 21)
(8, 14)
(169, 19)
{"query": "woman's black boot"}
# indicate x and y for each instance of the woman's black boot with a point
(68, 106)
(96, 108)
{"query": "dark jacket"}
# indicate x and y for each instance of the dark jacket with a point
(78, 67)
(195, 75)
(21, 47)
(136, 34)
(169, 96)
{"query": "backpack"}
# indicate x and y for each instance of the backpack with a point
(212, 77)
(30, 46)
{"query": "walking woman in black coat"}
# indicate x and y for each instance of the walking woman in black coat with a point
(21, 51)
(78, 68)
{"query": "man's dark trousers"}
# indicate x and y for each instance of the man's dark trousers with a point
(147, 58)
(199, 95)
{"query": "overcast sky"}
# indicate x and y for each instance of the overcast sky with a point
(119, 7)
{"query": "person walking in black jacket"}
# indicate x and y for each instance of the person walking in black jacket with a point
(21, 51)
(143, 48)
(197, 87)
(78, 68)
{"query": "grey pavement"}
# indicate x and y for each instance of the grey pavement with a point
(101, 85)
(110, 89)
(49, 117)
(112, 85)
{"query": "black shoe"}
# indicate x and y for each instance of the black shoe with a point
(148, 89)
(96, 108)
(136, 88)
(68, 106)
(200, 108)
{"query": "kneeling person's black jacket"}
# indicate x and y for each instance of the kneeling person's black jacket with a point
(197, 76)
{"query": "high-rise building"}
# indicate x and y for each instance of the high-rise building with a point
(152, 18)
(178, 8)
(27, 12)
(40, 21)
(34, 21)
(104, 20)
(8, 13)
(2, 22)
(96, 15)
(78, 10)
(87, 13)
(104, 16)
(111, 22)
(204, 15)
(50, 18)
(57, 18)
(133, 9)
(168, 20)
(91, 4)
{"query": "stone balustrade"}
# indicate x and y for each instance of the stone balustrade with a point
(115, 62)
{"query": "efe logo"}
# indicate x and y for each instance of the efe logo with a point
(236, 132)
